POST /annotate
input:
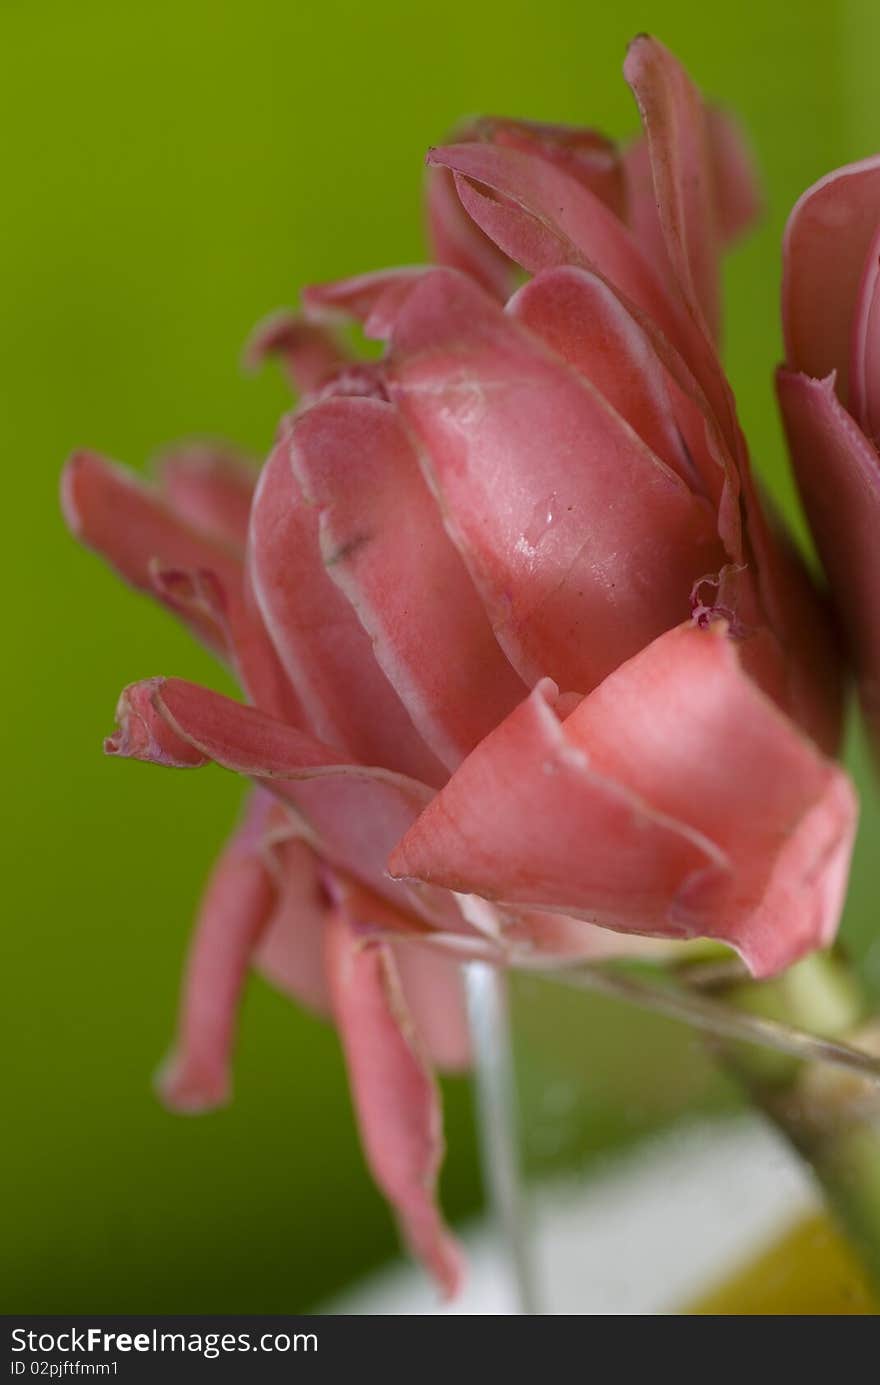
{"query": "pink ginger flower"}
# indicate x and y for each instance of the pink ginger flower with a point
(523, 654)
(829, 393)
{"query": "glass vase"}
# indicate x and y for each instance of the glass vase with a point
(631, 1170)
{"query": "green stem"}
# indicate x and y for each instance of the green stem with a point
(799, 1045)
(831, 1117)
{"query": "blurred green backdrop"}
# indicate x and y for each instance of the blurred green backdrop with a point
(171, 173)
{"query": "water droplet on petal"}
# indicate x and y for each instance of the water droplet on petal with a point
(545, 514)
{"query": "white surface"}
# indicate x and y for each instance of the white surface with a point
(643, 1237)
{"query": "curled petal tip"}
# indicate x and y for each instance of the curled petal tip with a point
(178, 584)
(397, 864)
(634, 44)
(435, 154)
(143, 734)
(187, 1092)
(308, 350)
(133, 715)
(208, 485)
(449, 1268)
(273, 334)
(372, 299)
(192, 591)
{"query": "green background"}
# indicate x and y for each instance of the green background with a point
(170, 173)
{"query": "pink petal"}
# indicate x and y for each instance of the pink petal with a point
(571, 307)
(395, 1098)
(370, 299)
(457, 242)
(585, 155)
(584, 322)
(674, 801)
(201, 602)
(641, 201)
(582, 544)
(242, 738)
(143, 735)
(737, 771)
(199, 599)
(324, 649)
(737, 188)
(354, 814)
(434, 992)
(260, 669)
(233, 914)
(290, 953)
(310, 354)
(563, 936)
(864, 377)
(681, 162)
(384, 546)
(138, 533)
(838, 475)
(211, 488)
(115, 515)
(527, 821)
(827, 239)
(542, 217)
(800, 620)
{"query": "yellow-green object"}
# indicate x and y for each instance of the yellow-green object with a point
(809, 1272)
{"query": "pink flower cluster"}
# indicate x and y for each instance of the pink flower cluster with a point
(525, 658)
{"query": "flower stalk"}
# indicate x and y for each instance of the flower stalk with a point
(803, 1048)
(723, 1017)
(830, 1115)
